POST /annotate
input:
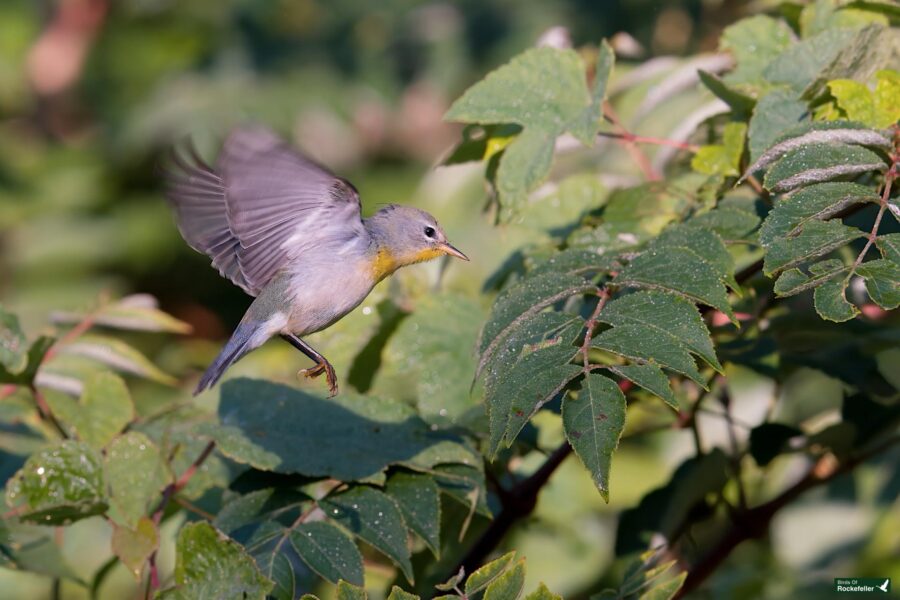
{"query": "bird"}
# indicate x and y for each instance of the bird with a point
(290, 233)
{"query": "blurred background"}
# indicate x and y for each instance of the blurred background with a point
(93, 92)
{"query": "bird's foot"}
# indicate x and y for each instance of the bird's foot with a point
(330, 377)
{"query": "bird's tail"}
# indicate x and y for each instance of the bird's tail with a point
(241, 342)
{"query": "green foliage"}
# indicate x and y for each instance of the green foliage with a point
(730, 288)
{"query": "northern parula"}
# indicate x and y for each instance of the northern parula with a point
(290, 233)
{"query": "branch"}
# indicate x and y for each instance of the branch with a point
(639, 157)
(754, 523)
(167, 494)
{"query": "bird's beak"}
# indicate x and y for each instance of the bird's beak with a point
(448, 248)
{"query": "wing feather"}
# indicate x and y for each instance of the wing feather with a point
(262, 205)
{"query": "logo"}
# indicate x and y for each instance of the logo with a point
(862, 585)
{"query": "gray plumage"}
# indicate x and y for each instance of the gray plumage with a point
(289, 232)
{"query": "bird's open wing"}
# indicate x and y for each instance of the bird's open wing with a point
(262, 205)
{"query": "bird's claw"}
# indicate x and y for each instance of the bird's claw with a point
(318, 369)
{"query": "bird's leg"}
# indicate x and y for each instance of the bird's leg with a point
(322, 365)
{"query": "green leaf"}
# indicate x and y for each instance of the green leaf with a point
(768, 440)
(104, 409)
(487, 574)
(543, 90)
(855, 99)
(889, 245)
(882, 282)
(816, 238)
(804, 62)
(373, 517)
(793, 281)
(33, 548)
(453, 582)
(666, 590)
(523, 300)
(730, 223)
(258, 506)
(346, 591)
(433, 346)
(680, 271)
(650, 377)
(754, 42)
(139, 312)
(707, 245)
(328, 552)
(871, 49)
(534, 380)
(534, 332)
(507, 586)
(641, 343)
(12, 343)
(816, 202)
(776, 112)
(136, 473)
(210, 565)
(887, 98)
(59, 485)
(268, 543)
(118, 355)
(831, 302)
(593, 424)
(739, 102)
(134, 546)
(673, 319)
(543, 593)
(350, 437)
(465, 485)
(819, 162)
(418, 497)
(399, 594)
(722, 159)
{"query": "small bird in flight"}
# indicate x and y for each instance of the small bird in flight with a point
(290, 233)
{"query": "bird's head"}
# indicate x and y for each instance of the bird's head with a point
(405, 235)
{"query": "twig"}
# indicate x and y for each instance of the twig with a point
(630, 146)
(603, 295)
(754, 523)
(167, 494)
(885, 198)
(655, 141)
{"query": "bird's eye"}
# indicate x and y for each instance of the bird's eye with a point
(429, 232)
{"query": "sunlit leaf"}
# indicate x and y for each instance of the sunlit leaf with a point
(58, 485)
(136, 474)
(210, 565)
(133, 546)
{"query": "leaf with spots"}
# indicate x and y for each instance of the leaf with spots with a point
(593, 423)
(541, 373)
(210, 565)
(817, 202)
(814, 163)
(521, 301)
(815, 239)
(882, 282)
(59, 484)
(328, 551)
(373, 517)
(418, 497)
(680, 271)
(136, 474)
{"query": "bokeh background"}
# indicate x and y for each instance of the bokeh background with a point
(94, 92)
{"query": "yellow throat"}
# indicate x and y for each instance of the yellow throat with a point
(386, 262)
